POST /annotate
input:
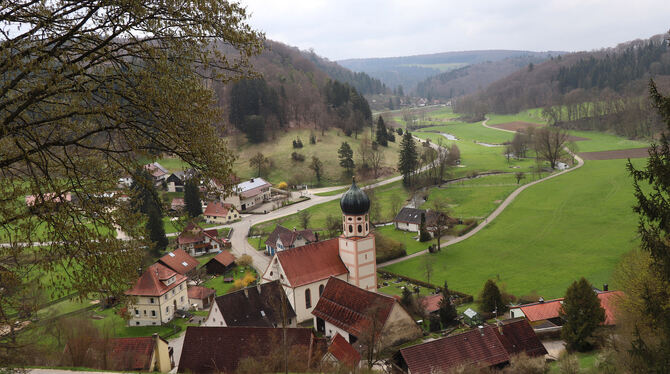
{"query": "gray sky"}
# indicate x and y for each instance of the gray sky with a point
(340, 29)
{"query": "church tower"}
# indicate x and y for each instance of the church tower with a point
(357, 243)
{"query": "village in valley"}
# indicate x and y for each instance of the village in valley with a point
(204, 199)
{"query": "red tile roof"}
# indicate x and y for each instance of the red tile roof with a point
(431, 303)
(193, 233)
(480, 347)
(608, 300)
(541, 311)
(217, 209)
(131, 353)
(177, 203)
(343, 351)
(346, 306)
(151, 283)
(225, 258)
(220, 349)
(288, 237)
(179, 261)
(200, 293)
(312, 262)
(518, 336)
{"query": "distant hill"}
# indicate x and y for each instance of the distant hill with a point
(602, 90)
(407, 71)
(472, 78)
(296, 89)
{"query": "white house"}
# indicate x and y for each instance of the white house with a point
(249, 194)
(159, 293)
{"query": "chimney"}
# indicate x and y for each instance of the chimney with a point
(246, 293)
(605, 287)
(500, 327)
(481, 329)
(258, 288)
(294, 229)
(541, 300)
(251, 180)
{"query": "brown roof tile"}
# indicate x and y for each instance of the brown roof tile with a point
(288, 237)
(197, 292)
(608, 300)
(518, 336)
(225, 258)
(431, 303)
(477, 348)
(217, 209)
(312, 262)
(150, 282)
(220, 349)
(541, 311)
(131, 353)
(346, 306)
(193, 233)
(343, 351)
(179, 261)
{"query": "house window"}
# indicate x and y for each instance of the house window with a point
(145, 312)
(137, 323)
(181, 299)
(308, 299)
(151, 300)
(173, 291)
(153, 313)
(137, 312)
(320, 290)
(165, 297)
(180, 286)
(360, 228)
(351, 228)
(167, 309)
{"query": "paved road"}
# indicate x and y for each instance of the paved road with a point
(495, 213)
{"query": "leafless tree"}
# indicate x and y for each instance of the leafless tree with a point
(549, 143)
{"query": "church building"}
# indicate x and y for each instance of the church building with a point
(304, 271)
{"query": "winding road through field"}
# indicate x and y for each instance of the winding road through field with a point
(496, 212)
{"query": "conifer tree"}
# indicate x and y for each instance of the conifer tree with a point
(381, 136)
(490, 300)
(346, 156)
(192, 198)
(156, 231)
(447, 310)
(582, 313)
(408, 160)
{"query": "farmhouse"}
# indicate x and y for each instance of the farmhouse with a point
(249, 194)
(354, 312)
(196, 241)
(409, 219)
(259, 306)
(220, 263)
(482, 347)
(159, 293)
(157, 171)
(179, 261)
(282, 238)
(304, 271)
(218, 212)
(220, 349)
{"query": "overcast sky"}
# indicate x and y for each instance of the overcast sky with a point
(340, 29)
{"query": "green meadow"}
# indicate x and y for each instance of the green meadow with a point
(578, 224)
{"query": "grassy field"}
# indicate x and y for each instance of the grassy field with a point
(472, 132)
(476, 198)
(555, 232)
(279, 151)
(222, 287)
(407, 238)
(530, 115)
(599, 141)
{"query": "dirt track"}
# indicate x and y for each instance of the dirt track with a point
(615, 155)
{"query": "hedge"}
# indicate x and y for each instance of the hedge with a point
(463, 296)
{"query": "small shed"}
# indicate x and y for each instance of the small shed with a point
(472, 318)
(220, 263)
(201, 297)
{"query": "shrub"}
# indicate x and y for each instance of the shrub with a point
(297, 143)
(391, 137)
(312, 138)
(295, 156)
(282, 185)
(399, 131)
(245, 260)
(248, 279)
(388, 249)
(434, 323)
(490, 298)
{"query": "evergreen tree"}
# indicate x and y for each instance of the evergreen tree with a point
(447, 310)
(156, 231)
(408, 160)
(254, 127)
(653, 206)
(490, 299)
(192, 198)
(407, 298)
(434, 323)
(346, 156)
(582, 313)
(381, 137)
(424, 236)
(143, 192)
